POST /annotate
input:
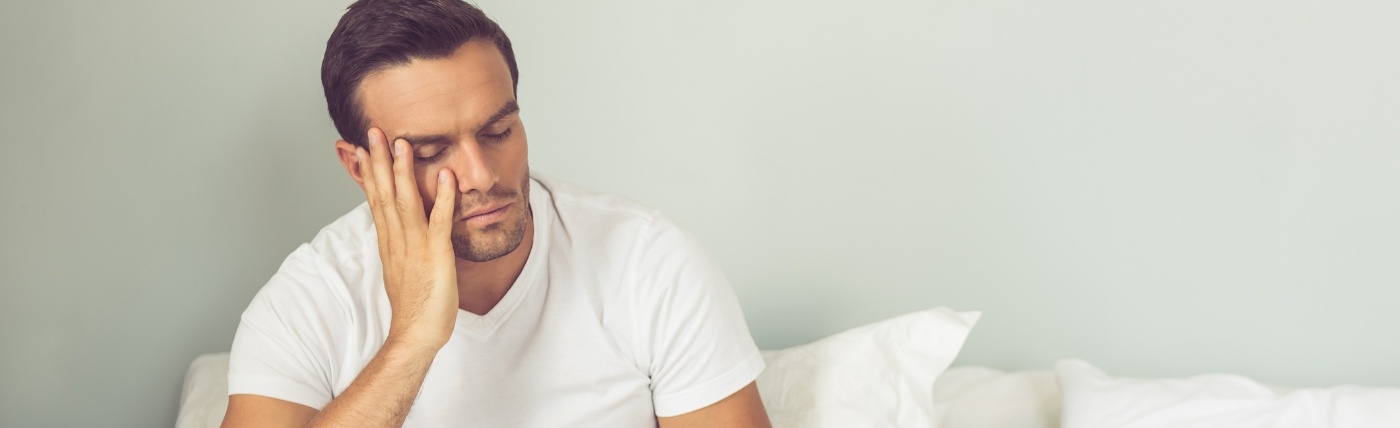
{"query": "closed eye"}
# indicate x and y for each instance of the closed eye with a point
(442, 151)
(491, 138)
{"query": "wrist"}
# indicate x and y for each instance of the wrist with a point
(412, 346)
(416, 335)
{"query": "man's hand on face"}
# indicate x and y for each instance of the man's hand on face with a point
(420, 274)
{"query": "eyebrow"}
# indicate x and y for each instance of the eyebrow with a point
(416, 140)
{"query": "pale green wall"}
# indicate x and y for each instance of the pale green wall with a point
(1164, 188)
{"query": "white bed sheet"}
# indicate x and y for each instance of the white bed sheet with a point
(984, 397)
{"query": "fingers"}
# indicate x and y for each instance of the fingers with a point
(382, 170)
(406, 192)
(440, 222)
(379, 189)
(371, 194)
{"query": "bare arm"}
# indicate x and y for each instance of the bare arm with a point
(420, 278)
(380, 396)
(384, 391)
(743, 409)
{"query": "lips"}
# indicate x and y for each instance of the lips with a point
(492, 209)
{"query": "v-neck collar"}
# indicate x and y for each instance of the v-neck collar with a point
(480, 327)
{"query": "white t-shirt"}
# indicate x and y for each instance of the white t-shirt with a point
(617, 317)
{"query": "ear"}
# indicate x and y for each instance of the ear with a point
(346, 152)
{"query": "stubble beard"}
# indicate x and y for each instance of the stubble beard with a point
(498, 239)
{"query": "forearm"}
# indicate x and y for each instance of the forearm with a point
(420, 281)
(383, 392)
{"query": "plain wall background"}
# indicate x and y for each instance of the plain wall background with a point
(1160, 188)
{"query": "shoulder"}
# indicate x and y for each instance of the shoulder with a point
(574, 204)
(612, 227)
(667, 303)
(292, 338)
(346, 240)
(637, 251)
(324, 274)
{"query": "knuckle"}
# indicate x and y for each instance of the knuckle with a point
(404, 205)
(382, 203)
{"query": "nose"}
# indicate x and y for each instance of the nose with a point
(472, 169)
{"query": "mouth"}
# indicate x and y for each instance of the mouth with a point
(486, 215)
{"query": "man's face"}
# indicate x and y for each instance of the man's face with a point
(459, 113)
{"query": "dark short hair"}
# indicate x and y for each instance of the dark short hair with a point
(378, 34)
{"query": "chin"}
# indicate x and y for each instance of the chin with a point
(492, 241)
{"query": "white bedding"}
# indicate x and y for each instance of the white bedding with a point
(881, 374)
(888, 373)
(204, 397)
(1093, 399)
(984, 397)
(964, 397)
(892, 374)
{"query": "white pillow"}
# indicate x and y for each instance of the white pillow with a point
(878, 375)
(205, 396)
(984, 397)
(1092, 399)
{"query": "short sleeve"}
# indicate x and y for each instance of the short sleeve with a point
(698, 344)
(290, 338)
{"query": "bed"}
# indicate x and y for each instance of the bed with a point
(896, 373)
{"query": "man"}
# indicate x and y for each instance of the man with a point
(465, 292)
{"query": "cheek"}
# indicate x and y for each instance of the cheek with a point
(512, 159)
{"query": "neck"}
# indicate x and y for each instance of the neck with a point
(481, 285)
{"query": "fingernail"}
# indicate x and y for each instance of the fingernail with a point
(442, 176)
(398, 148)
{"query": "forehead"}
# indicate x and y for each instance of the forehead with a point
(448, 95)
